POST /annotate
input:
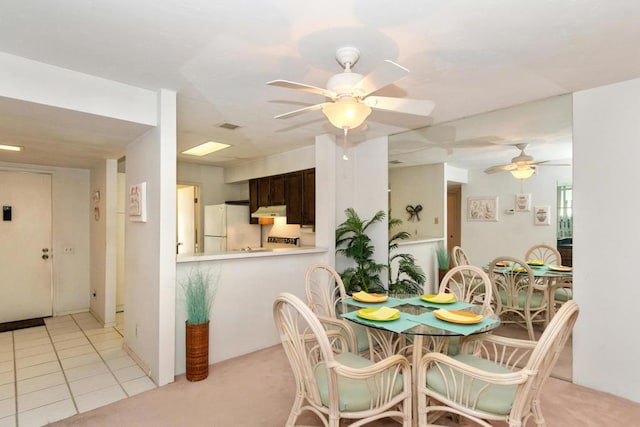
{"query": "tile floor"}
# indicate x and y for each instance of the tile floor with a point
(69, 366)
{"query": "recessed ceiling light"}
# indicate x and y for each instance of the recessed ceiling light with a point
(10, 147)
(206, 148)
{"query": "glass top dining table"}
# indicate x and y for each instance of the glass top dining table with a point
(417, 323)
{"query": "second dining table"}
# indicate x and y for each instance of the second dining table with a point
(406, 331)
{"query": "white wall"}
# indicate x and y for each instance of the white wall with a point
(71, 199)
(419, 185)
(511, 234)
(242, 314)
(291, 161)
(606, 245)
(150, 246)
(362, 183)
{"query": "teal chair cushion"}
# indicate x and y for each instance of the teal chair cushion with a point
(353, 395)
(495, 399)
(563, 294)
(537, 299)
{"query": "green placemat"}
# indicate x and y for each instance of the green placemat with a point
(390, 302)
(453, 306)
(430, 319)
(398, 325)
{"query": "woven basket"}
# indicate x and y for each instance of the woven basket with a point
(197, 351)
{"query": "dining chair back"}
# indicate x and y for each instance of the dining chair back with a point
(469, 284)
(334, 385)
(459, 256)
(325, 290)
(561, 289)
(519, 298)
(548, 254)
(493, 378)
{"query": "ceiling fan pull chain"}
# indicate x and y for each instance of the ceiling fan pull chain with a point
(344, 144)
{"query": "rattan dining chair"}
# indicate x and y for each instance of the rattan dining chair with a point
(547, 254)
(338, 386)
(494, 378)
(325, 290)
(519, 297)
(561, 289)
(459, 256)
(469, 284)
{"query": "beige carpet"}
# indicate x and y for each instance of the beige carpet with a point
(256, 390)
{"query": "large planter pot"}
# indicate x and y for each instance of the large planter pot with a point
(197, 351)
(441, 274)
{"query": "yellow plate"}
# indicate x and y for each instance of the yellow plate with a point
(461, 317)
(441, 298)
(519, 269)
(370, 298)
(382, 314)
(535, 262)
(560, 268)
(503, 263)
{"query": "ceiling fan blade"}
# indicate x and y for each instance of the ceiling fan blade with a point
(301, 111)
(382, 76)
(402, 105)
(304, 87)
(501, 168)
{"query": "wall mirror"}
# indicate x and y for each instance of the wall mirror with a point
(474, 144)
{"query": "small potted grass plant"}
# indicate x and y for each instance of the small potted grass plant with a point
(443, 263)
(200, 289)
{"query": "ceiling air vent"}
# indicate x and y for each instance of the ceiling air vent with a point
(229, 126)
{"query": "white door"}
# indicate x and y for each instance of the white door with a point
(185, 218)
(25, 246)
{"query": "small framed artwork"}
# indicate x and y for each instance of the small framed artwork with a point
(541, 215)
(482, 208)
(523, 202)
(138, 202)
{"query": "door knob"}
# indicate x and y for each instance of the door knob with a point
(45, 256)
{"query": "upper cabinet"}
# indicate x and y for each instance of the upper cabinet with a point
(296, 190)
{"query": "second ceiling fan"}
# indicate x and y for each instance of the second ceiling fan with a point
(349, 94)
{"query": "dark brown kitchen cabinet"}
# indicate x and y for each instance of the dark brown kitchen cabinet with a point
(277, 192)
(293, 192)
(296, 190)
(253, 199)
(309, 197)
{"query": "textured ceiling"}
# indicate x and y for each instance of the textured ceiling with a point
(468, 56)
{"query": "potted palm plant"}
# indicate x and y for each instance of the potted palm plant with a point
(409, 277)
(353, 242)
(200, 288)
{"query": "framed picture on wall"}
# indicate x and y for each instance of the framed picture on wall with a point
(541, 215)
(482, 208)
(523, 202)
(138, 202)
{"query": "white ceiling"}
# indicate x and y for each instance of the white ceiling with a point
(468, 56)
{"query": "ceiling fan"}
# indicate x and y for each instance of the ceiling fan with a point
(349, 94)
(522, 166)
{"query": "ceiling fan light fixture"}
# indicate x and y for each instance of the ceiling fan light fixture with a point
(346, 113)
(523, 172)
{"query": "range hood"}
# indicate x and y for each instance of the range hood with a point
(270, 211)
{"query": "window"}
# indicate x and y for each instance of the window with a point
(565, 211)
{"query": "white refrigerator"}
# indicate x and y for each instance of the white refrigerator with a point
(227, 228)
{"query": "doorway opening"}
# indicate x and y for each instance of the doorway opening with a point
(188, 219)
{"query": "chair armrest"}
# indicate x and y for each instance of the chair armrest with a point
(397, 362)
(332, 324)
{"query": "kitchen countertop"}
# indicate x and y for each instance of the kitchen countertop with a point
(419, 239)
(259, 253)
